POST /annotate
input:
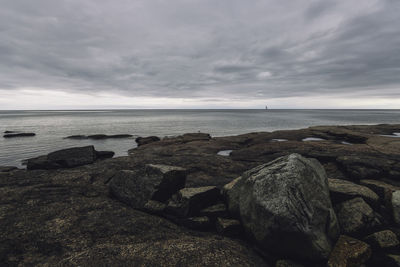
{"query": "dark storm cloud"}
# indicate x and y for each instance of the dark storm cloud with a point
(193, 49)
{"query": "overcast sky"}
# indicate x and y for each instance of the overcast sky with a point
(199, 54)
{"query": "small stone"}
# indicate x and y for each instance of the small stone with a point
(349, 252)
(229, 227)
(356, 217)
(396, 206)
(342, 190)
(382, 240)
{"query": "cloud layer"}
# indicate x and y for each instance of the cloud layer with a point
(202, 49)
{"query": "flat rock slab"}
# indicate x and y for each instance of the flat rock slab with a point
(65, 158)
(349, 252)
(146, 140)
(341, 190)
(356, 217)
(11, 135)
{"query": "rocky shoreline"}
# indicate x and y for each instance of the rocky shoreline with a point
(327, 195)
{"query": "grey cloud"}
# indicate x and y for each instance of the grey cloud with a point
(201, 48)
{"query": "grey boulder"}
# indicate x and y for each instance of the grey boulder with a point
(284, 206)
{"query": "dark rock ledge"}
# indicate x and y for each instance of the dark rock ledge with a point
(176, 202)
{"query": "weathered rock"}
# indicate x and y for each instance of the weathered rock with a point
(189, 201)
(105, 136)
(217, 210)
(383, 240)
(65, 158)
(202, 223)
(342, 190)
(285, 205)
(146, 140)
(356, 217)
(396, 206)
(137, 187)
(76, 137)
(104, 154)
(229, 227)
(349, 252)
(287, 263)
(10, 135)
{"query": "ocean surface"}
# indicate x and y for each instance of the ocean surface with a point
(52, 126)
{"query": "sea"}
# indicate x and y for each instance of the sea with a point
(51, 127)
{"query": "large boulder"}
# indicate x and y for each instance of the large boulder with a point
(155, 182)
(342, 190)
(284, 205)
(65, 158)
(356, 217)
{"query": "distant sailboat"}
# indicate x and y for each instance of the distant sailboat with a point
(266, 107)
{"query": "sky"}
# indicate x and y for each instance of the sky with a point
(94, 54)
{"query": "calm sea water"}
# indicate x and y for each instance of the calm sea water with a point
(52, 126)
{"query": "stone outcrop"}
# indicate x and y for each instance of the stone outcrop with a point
(349, 252)
(99, 136)
(155, 182)
(68, 158)
(284, 205)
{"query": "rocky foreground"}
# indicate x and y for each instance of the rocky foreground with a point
(311, 197)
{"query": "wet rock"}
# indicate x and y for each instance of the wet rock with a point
(202, 223)
(349, 252)
(356, 217)
(229, 227)
(287, 263)
(137, 187)
(105, 136)
(11, 135)
(76, 137)
(383, 240)
(189, 201)
(65, 158)
(104, 154)
(396, 206)
(146, 140)
(284, 205)
(342, 190)
(7, 168)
